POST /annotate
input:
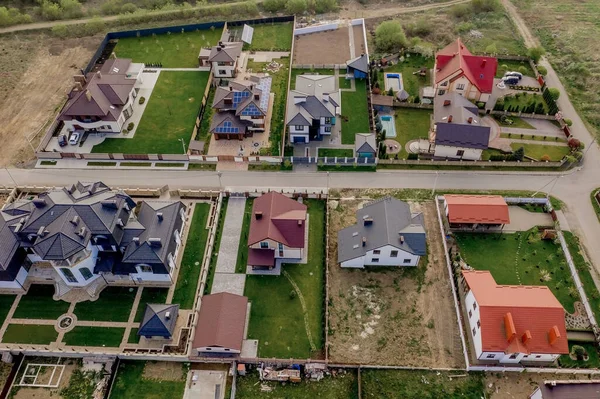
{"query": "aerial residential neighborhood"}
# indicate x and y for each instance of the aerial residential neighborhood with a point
(290, 199)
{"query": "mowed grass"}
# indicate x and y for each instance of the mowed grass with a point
(94, 336)
(356, 111)
(336, 152)
(271, 37)
(29, 334)
(150, 295)
(514, 66)
(277, 319)
(242, 257)
(342, 386)
(212, 265)
(412, 82)
(6, 301)
(191, 262)
(114, 304)
(38, 304)
(404, 384)
(130, 383)
(521, 259)
(169, 116)
(593, 360)
(411, 124)
(537, 151)
(175, 50)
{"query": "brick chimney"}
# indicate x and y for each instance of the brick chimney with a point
(99, 75)
(88, 95)
(509, 327)
(450, 119)
(553, 335)
(470, 120)
(447, 103)
(258, 215)
(483, 63)
(526, 336)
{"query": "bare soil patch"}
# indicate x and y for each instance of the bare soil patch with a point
(520, 385)
(311, 48)
(37, 73)
(45, 393)
(392, 316)
(165, 371)
(359, 40)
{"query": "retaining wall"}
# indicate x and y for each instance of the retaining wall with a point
(315, 29)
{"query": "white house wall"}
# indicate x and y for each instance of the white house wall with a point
(216, 349)
(469, 302)
(445, 151)
(303, 129)
(385, 258)
(151, 277)
(223, 71)
(17, 283)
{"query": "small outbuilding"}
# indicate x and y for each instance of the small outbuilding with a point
(381, 103)
(476, 211)
(365, 145)
(159, 321)
(358, 67)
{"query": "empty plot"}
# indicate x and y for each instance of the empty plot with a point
(42, 375)
(311, 48)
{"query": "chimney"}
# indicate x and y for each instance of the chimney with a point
(120, 222)
(509, 327)
(41, 231)
(159, 215)
(88, 95)
(81, 233)
(80, 79)
(98, 75)
(220, 43)
(553, 335)
(230, 88)
(219, 48)
(39, 202)
(155, 242)
(470, 120)
(364, 241)
(258, 215)
(78, 86)
(136, 240)
(75, 220)
(450, 119)
(300, 221)
(367, 221)
(447, 103)
(526, 336)
(483, 63)
(326, 97)
(401, 239)
(257, 96)
(167, 315)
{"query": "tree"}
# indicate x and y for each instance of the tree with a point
(296, 7)
(542, 70)
(554, 93)
(535, 53)
(292, 294)
(519, 154)
(274, 5)
(574, 144)
(491, 49)
(579, 352)
(390, 92)
(323, 6)
(568, 122)
(545, 158)
(389, 37)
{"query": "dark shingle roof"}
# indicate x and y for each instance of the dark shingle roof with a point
(468, 136)
(155, 322)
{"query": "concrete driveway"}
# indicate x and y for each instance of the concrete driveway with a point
(205, 384)
(522, 220)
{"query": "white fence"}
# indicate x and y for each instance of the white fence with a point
(315, 29)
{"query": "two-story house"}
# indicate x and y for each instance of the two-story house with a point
(277, 230)
(457, 70)
(386, 233)
(102, 101)
(512, 324)
(312, 108)
(241, 108)
(223, 58)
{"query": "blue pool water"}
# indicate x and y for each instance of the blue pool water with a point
(387, 121)
(393, 75)
(386, 118)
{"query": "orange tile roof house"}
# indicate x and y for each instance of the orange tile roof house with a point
(512, 324)
(457, 70)
(473, 211)
(277, 230)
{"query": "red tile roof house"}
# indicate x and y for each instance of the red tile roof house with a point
(102, 101)
(277, 230)
(457, 70)
(476, 212)
(513, 324)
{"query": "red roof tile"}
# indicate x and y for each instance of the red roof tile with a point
(456, 57)
(221, 321)
(530, 312)
(482, 209)
(261, 257)
(282, 220)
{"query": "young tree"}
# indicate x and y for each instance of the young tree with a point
(519, 154)
(542, 70)
(389, 37)
(579, 352)
(574, 144)
(554, 93)
(324, 6)
(390, 92)
(535, 53)
(274, 5)
(491, 49)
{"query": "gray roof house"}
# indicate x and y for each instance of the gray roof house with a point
(312, 107)
(365, 145)
(457, 129)
(358, 67)
(222, 58)
(386, 233)
(159, 321)
(85, 230)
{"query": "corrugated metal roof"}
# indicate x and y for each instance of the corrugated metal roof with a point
(482, 209)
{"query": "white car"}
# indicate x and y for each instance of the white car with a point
(74, 139)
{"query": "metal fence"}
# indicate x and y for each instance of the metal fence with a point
(332, 160)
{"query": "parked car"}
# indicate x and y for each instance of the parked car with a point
(74, 138)
(510, 80)
(62, 140)
(518, 75)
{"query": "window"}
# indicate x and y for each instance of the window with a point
(538, 356)
(444, 83)
(474, 331)
(86, 273)
(406, 260)
(376, 252)
(525, 356)
(208, 349)
(474, 305)
(394, 254)
(328, 129)
(478, 324)
(491, 356)
(328, 120)
(460, 86)
(222, 72)
(298, 127)
(441, 92)
(68, 275)
(144, 268)
(460, 153)
(264, 245)
(375, 260)
(513, 356)
(470, 313)
(227, 349)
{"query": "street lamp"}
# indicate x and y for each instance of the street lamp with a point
(219, 174)
(183, 145)
(327, 183)
(437, 174)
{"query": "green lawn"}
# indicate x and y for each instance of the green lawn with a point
(522, 101)
(593, 361)
(29, 334)
(271, 37)
(150, 295)
(516, 122)
(242, 257)
(94, 163)
(94, 336)
(537, 151)
(514, 66)
(191, 262)
(336, 152)
(346, 168)
(38, 304)
(175, 50)
(212, 266)
(342, 386)
(6, 302)
(411, 124)
(133, 337)
(276, 319)
(296, 72)
(130, 383)
(203, 133)
(114, 304)
(521, 258)
(344, 83)
(403, 384)
(551, 139)
(412, 83)
(170, 115)
(356, 111)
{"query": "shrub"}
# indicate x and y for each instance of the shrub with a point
(130, 126)
(390, 37)
(296, 7)
(142, 100)
(417, 100)
(12, 16)
(554, 93)
(461, 11)
(324, 6)
(542, 70)
(413, 157)
(574, 144)
(49, 10)
(71, 9)
(579, 352)
(519, 154)
(274, 5)
(545, 158)
(491, 49)
(535, 53)
(60, 30)
(422, 27)
(465, 27)
(390, 92)
(568, 122)
(479, 6)
(292, 294)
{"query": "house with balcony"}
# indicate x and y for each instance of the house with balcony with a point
(457, 70)
(312, 108)
(102, 101)
(277, 231)
(223, 59)
(513, 324)
(241, 108)
(89, 235)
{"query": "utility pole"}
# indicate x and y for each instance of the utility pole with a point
(219, 174)
(437, 174)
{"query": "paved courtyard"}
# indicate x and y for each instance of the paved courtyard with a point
(523, 220)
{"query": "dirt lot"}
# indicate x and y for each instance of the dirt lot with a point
(309, 49)
(521, 385)
(36, 75)
(359, 40)
(391, 316)
(44, 393)
(165, 371)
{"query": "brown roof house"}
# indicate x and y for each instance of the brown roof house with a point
(481, 212)
(221, 324)
(222, 58)
(102, 101)
(277, 231)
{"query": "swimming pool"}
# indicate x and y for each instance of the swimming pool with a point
(387, 122)
(393, 81)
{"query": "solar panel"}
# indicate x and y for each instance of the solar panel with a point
(247, 34)
(227, 127)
